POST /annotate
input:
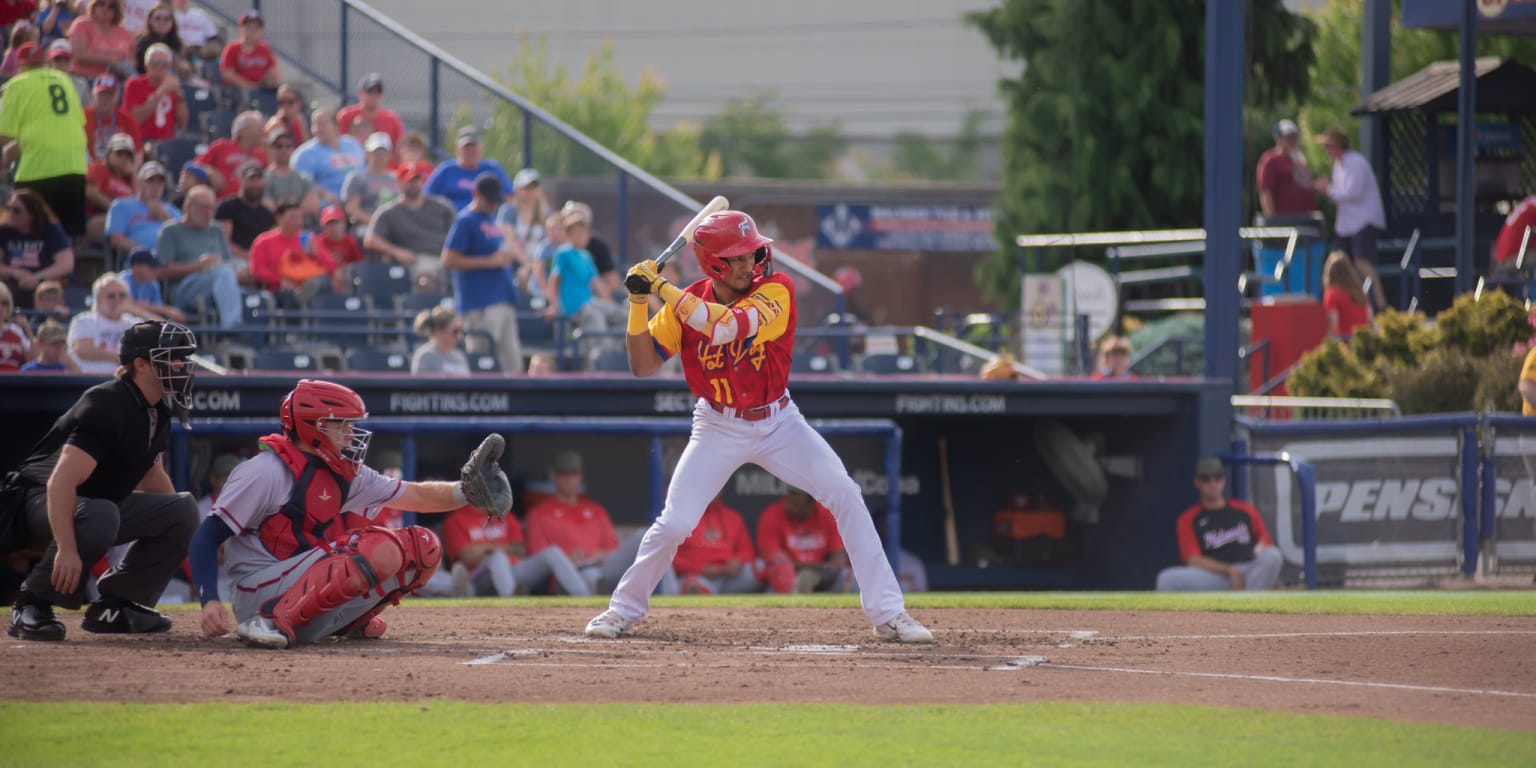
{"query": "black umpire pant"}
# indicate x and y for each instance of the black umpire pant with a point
(159, 525)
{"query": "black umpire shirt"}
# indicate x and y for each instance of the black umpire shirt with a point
(116, 426)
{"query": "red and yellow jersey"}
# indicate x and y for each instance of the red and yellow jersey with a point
(806, 542)
(720, 536)
(582, 529)
(744, 373)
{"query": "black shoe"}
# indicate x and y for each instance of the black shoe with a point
(112, 616)
(35, 621)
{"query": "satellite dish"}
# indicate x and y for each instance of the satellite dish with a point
(1075, 466)
(1090, 291)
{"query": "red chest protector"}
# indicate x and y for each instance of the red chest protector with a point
(312, 513)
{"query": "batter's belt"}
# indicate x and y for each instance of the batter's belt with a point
(752, 414)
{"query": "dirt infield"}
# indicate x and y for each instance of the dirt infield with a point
(1455, 670)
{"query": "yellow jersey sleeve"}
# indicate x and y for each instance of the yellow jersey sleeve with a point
(772, 302)
(667, 331)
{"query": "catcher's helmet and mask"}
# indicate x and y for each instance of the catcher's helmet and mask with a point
(171, 350)
(731, 233)
(313, 402)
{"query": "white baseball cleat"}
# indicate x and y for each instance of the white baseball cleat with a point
(261, 632)
(903, 629)
(608, 624)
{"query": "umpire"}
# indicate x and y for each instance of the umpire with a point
(96, 480)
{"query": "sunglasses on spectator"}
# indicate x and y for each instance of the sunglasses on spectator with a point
(160, 17)
(283, 145)
(456, 330)
(114, 295)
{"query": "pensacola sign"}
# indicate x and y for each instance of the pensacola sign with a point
(860, 227)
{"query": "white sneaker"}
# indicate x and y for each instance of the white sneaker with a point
(608, 624)
(903, 629)
(259, 631)
(461, 586)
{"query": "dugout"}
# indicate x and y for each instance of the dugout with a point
(988, 429)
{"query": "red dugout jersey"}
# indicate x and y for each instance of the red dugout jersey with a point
(745, 373)
(720, 536)
(467, 525)
(582, 527)
(806, 541)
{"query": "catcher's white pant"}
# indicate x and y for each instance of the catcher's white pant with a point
(786, 446)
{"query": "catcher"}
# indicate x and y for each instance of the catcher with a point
(295, 522)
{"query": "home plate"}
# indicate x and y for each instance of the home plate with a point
(1019, 663)
(498, 657)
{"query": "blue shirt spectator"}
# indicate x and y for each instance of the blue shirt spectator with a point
(455, 179)
(131, 218)
(573, 266)
(330, 156)
(476, 235)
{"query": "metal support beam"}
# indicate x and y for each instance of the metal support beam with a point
(1466, 130)
(1225, 69)
(1375, 74)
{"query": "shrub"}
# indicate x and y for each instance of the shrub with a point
(1483, 326)
(1443, 382)
(1398, 338)
(1498, 377)
(1332, 370)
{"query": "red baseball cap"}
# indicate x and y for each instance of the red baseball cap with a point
(29, 53)
(330, 214)
(418, 169)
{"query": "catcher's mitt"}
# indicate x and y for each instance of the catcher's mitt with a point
(485, 486)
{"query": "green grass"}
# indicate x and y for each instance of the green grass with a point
(453, 733)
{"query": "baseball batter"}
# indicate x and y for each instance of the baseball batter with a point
(296, 525)
(735, 332)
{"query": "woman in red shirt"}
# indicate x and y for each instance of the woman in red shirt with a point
(1344, 297)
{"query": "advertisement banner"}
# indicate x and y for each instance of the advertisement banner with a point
(847, 226)
(1383, 502)
(1514, 494)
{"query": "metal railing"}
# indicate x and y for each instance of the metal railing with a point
(1282, 408)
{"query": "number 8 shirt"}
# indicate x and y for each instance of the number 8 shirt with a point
(41, 110)
(746, 373)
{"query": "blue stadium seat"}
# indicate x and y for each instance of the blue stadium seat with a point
(534, 331)
(200, 103)
(377, 361)
(285, 360)
(416, 302)
(813, 364)
(220, 121)
(611, 361)
(174, 153)
(889, 363)
(380, 283)
(484, 364)
(336, 302)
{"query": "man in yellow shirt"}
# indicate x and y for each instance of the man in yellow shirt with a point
(1528, 384)
(42, 125)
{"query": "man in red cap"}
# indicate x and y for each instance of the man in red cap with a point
(41, 114)
(411, 229)
(106, 117)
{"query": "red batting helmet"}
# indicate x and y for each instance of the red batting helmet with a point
(730, 233)
(314, 401)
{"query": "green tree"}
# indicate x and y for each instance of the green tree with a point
(918, 157)
(1104, 128)
(1336, 72)
(751, 138)
(600, 103)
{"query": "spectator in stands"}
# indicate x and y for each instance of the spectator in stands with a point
(1114, 359)
(1283, 177)
(49, 137)
(370, 111)
(411, 230)
(199, 35)
(106, 117)
(490, 557)
(249, 62)
(372, 185)
(245, 216)
(440, 353)
(96, 334)
(143, 280)
(198, 266)
(225, 157)
(160, 27)
(100, 42)
(136, 15)
(283, 184)
(542, 258)
(192, 175)
(337, 243)
(328, 157)
(1359, 216)
(61, 58)
(801, 549)
(522, 220)
(574, 290)
(542, 364)
(480, 260)
(455, 179)
(54, 20)
(411, 148)
(155, 98)
(1343, 297)
(108, 180)
(718, 557)
(290, 113)
(35, 246)
(20, 35)
(285, 262)
(135, 222)
(1223, 543)
(999, 368)
(48, 302)
(582, 529)
(602, 255)
(1512, 235)
(15, 336)
(50, 350)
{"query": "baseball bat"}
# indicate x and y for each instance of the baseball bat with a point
(951, 536)
(718, 203)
